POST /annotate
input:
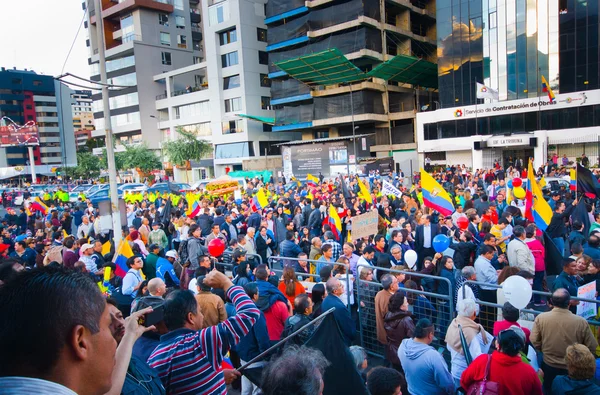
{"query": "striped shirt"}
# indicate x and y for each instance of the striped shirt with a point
(28, 385)
(189, 362)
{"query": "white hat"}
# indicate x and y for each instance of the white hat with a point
(171, 254)
(85, 247)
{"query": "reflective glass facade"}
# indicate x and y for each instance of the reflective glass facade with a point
(579, 45)
(505, 44)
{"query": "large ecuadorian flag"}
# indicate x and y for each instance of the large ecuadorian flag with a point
(434, 196)
(542, 213)
(122, 253)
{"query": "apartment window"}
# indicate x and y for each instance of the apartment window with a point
(178, 4)
(234, 150)
(165, 38)
(218, 13)
(180, 22)
(228, 36)
(197, 59)
(197, 45)
(263, 57)
(199, 129)
(125, 80)
(229, 59)
(261, 34)
(265, 82)
(233, 126)
(127, 29)
(166, 58)
(234, 104)
(181, 41)
(193, 110)
(29, 106)
(231, 82)
(163, 19)
(265, 102)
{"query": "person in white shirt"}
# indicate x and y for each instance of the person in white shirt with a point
(84, 228)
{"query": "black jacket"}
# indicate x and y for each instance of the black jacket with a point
(254, 221)
(314, 220)
(295, 322)
(420, 237)
(557, 227)
(205, 223)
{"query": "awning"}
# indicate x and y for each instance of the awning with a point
(328, 67)
(267, 120)
(408, 70)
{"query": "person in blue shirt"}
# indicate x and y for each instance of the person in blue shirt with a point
(165, 270)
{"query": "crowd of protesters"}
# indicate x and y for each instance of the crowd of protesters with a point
(210, 312)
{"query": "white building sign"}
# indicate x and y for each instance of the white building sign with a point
(507, 141)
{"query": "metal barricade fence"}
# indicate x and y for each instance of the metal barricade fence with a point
(491, 303)
(346, 280)
(228, 255)
(438, 308)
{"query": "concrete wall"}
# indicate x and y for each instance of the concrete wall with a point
(64, 103)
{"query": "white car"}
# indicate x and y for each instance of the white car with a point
(133, 187)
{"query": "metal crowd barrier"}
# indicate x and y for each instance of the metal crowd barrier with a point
(490, 312)
(438, 308)
(349, 282)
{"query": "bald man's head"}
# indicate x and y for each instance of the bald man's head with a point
(157, 287)
(561, 298)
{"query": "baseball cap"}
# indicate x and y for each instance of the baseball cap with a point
(86, 246)
(171, 254)
(147, 301)
(153, 247)
(238, 253)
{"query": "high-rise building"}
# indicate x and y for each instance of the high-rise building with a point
(27, 96)
(83, 116)
(343, 68)
(223, 98)
(511, 47)
(143, 38)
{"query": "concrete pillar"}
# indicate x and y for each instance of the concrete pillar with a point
(477, 158)
(540, 153)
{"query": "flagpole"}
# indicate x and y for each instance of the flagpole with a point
(576, 176)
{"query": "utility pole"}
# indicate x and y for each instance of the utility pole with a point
(110, 153)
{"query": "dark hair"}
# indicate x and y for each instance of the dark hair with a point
(502, 221)
(577, 225)
(378, 238)
(423, 328)
(42, 317)
(262, 273)
(396, 301)
(326, 247)
(486, 249)
(530, 231)
(140, 290)
(384, 381)
(318, 291)
(576, 248)
(301, 303)
(510, 342)
(294, 372)
(368, 250)
(510, 313)
(131, 260)
(251, 289)
(560, 298)
(178, 304)
(69, 242)
(518, 231)
(193, 228)
(567, 261)
(200, 284)
(325, 273)
(488, 237)
(242, 269)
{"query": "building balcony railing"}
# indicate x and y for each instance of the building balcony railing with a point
(190, 89)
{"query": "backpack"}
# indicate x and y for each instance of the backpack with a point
(183, 253)
(55, 254)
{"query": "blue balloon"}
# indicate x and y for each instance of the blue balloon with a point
(441, 243)
(509, 184)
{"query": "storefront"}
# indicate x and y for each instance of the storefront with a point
(479, 135)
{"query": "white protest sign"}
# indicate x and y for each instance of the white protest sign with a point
(587, 309)
(389, 189)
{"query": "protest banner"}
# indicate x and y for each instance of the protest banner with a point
(587, 309)
(389, 189)
(364, 225)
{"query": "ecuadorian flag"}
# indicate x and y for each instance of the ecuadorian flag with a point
(193, 205)
(542, 213)
(259, 201)
(434, 196)
(335, 222)
(312, 180)
(546, 88)
(122, 253)
(573, 182)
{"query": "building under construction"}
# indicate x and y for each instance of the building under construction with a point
(353, 67)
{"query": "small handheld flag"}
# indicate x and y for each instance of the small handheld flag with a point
(546, 88)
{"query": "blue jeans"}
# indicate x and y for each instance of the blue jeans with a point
(560, 244)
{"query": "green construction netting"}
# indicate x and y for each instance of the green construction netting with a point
(408, 70)
(267, 120)
(327, 67)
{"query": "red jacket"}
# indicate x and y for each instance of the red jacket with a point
(513, 375)
(275, 317)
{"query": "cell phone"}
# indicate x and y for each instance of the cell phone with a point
(154, 317)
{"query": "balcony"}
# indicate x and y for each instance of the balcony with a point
(190, 89)
(126, 6)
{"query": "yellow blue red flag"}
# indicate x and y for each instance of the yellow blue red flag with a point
(434, 196)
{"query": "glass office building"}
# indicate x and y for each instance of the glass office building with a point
(505, 44)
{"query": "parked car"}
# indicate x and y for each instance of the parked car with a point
(554, 184)
(101, 195)
(163, 187)
(133, 187)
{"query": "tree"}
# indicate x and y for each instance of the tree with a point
(140, 157)
(186, 148)
(88, 166)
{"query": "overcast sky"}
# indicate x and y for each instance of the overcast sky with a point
(37, 34)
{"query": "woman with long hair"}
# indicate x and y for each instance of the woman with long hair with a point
(317, 295)
(289, 285)
(243, 274)
(399, 325)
